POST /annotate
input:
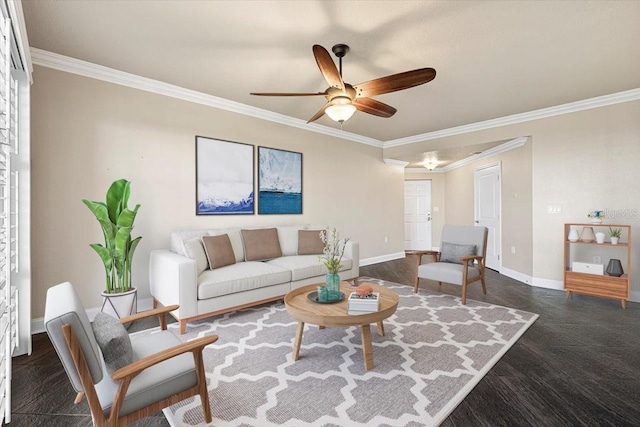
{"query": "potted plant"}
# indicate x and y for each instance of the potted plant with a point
(116, 221)
(614, 234)
(331, 258)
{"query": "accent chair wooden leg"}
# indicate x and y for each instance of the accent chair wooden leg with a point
(183, 327)
(202, 385)
(484, 286)
(464, 293)
(155, 303)
(415, 286)
(79, 397)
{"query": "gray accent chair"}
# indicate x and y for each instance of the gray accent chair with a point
(164, 370)
(464, 270)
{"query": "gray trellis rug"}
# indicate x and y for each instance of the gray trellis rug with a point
(434, 352)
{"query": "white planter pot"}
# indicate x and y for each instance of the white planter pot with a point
(121, 304)
(614, 240)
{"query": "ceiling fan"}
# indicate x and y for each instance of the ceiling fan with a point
(344, 99)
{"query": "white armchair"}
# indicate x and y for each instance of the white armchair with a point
(460, 260)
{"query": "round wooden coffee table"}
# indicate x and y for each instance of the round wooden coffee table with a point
(304, 311)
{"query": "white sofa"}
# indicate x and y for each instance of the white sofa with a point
(181, 275)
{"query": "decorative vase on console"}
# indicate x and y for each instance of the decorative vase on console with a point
(331, 258)
(573, 235)
(587, 235)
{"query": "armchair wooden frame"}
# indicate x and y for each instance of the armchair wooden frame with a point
(127, 373)
(465, 268)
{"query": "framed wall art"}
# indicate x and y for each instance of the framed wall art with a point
(279, 181)
(224, 177)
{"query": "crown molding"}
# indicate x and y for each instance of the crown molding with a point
(394, 162)
(55, 61)
(87, 69)
(422, 170)
(507, 146)
(600, 101)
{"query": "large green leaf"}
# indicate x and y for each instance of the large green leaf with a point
(127, 216)
(105, 256)
(117, 198)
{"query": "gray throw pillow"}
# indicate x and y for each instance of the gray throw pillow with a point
(451, 252)
(113, 340)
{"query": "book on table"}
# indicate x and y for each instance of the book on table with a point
(357, 304)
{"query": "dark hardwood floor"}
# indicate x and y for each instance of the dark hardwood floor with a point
(578, 365)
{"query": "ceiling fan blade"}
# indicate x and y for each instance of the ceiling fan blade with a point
(287, 93)
(395, 82)
(319, 113)
(371, 106)
(327, 67)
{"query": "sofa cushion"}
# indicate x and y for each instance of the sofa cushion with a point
(309, 242)
(288, 237)
(113, 341)
(305, 266)
(178, 237)
(194, 249)
(261, 244)
(219, 251)
(240, 277)
(450, 252)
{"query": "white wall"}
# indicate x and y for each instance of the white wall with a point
(87, 133)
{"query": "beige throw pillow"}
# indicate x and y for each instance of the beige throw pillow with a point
(219, 250)
(309, 242)
(261, 244)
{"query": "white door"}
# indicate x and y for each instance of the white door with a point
(487, 209)
(417, 214)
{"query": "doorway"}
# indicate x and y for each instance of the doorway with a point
(488, 208)
(417, 214)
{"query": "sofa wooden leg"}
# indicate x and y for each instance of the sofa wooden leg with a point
(464, 294)
(155, 303)
(183, 327)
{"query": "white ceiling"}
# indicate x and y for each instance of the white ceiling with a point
(493, 58)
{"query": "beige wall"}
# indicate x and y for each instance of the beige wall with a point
(515, 189)
(87, 133)
(581, 161)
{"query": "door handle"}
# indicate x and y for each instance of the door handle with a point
(476, 221)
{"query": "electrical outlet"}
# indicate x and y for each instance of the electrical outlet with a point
(513, 249)
(386, 239)
(597, 259)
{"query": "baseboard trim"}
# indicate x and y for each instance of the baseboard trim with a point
(381, 258)
(516, 275)
(37, 325)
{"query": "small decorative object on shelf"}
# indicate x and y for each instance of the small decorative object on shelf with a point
(331, 258)
(600, 237)
(615, 268)
(614, 235)
(596, 216)
(573, 235)
(587, 235)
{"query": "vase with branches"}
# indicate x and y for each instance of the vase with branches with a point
(331, 257)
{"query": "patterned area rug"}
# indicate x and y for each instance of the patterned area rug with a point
(434, 352)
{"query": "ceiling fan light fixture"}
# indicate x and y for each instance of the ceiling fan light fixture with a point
(339, 110)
